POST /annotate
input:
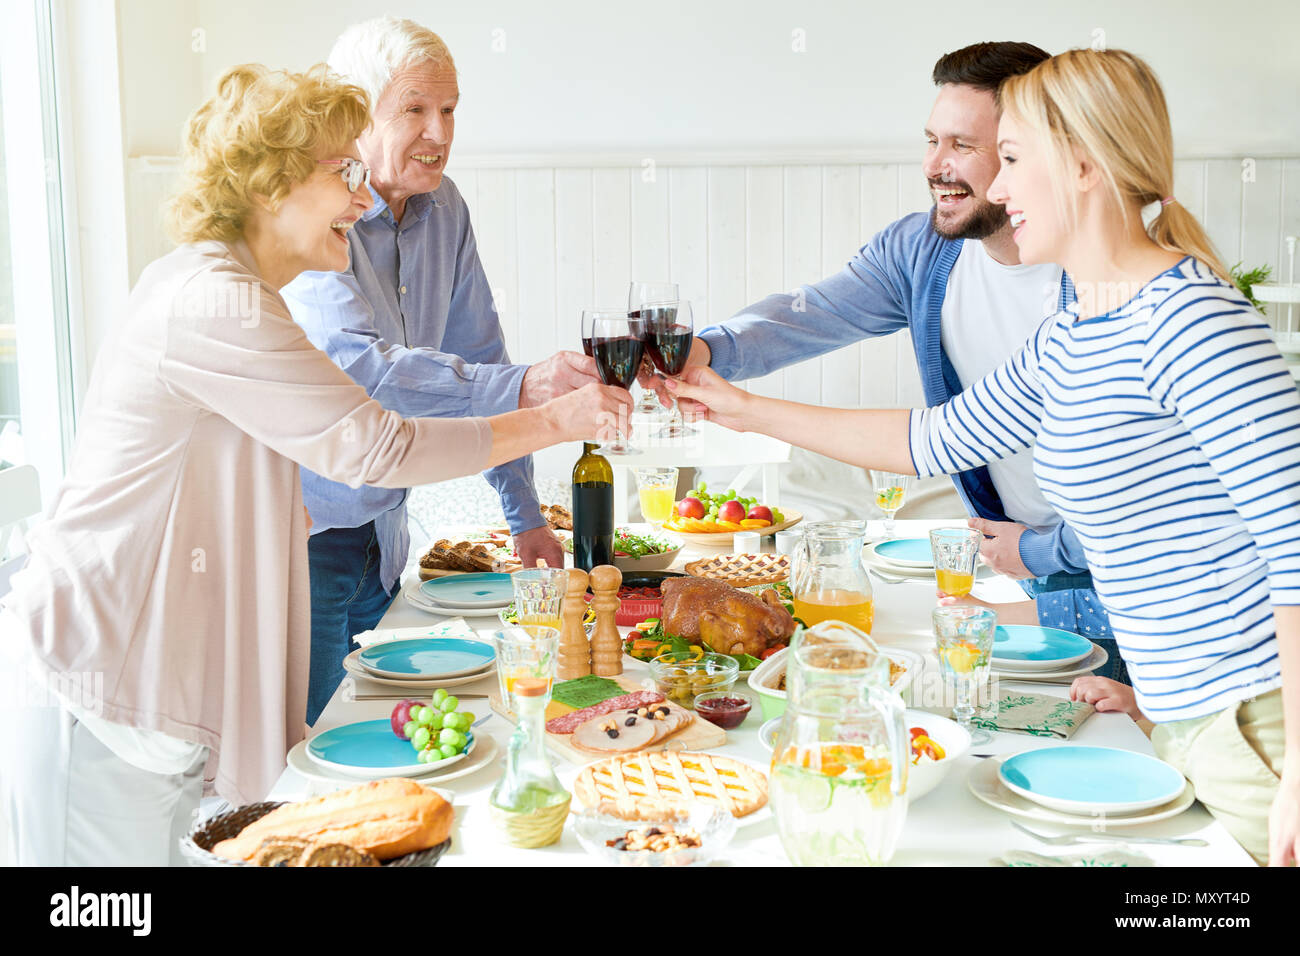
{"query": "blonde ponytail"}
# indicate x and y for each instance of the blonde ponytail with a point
(1108, 104)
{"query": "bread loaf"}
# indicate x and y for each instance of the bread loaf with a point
(385, 818)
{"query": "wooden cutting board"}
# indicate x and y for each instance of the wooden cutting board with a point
(699, 734)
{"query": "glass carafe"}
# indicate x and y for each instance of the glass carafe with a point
(839, 768)
(827, 578)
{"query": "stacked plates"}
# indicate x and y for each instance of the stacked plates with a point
(1081, 786)
(462, 595)
(910, 557)
(361, 751)
(1031, 652)
(421, 663)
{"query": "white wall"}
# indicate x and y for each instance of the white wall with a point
(587, 75)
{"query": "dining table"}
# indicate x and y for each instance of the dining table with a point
(948, 826)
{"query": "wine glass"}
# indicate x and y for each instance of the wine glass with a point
(890, 489)
(668, 329)
(964, 642)
(617, 348)
(648, 406)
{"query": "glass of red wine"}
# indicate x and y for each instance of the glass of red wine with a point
(667, 331)
(615, 343)
(649, 408)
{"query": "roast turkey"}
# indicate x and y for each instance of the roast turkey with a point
(723, 618)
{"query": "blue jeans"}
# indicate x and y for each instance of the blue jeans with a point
(347, 598)
(1075, 591)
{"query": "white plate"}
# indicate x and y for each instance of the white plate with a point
(987, 787)
(418, 600)
(351, 665)
(1096, 659)
(485, 749)
(373, 772)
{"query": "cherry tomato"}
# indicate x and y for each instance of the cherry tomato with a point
(918, 732)
(772, 650)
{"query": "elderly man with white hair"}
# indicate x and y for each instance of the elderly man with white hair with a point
(412, 321)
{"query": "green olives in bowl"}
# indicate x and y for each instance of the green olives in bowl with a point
(681, 675)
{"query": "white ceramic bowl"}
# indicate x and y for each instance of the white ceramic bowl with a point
(924, 776)
(652, 562)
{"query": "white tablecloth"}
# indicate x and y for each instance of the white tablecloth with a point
(947, 827)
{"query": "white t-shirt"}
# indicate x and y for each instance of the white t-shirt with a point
(990, 311)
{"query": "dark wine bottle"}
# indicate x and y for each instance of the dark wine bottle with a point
(593, 510)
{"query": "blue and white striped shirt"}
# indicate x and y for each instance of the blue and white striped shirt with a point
(1168, 437)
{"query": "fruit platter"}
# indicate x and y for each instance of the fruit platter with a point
(705, 518)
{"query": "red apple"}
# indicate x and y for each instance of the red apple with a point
(401, 714)
(732, 511)
(760, 512)
(690, 508)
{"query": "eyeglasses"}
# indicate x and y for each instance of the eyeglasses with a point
(355, 173)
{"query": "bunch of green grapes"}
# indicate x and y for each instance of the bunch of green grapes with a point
(713, 502)
(438, 731)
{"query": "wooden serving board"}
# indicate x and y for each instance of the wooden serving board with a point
(699, 734)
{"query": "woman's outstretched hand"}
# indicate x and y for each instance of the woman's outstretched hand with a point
(703, 394)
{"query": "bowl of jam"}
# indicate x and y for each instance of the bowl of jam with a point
(724, 708)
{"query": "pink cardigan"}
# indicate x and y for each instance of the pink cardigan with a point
(173, 558)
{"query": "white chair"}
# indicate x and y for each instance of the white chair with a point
(20, 500)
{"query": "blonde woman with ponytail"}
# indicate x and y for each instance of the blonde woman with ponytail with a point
(1165, 427)
(157, 641)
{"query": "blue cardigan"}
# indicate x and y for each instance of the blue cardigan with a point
(898, 281)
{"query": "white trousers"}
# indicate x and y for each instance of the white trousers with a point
(70, 801)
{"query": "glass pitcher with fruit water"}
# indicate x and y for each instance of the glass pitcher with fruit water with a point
(827, 578)
(839, 766)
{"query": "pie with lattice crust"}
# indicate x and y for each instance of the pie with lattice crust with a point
(633, 785)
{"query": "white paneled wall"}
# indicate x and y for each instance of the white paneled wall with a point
(554, 239)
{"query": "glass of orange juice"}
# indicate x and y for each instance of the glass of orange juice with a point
(955, 550)
(524, 650)
(657, 489)
(539, 595)
(890, 490)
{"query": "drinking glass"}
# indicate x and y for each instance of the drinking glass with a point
(525, 650)
(668, 329)
(657, 489)
(648, 407)
(956, 550)
(890, 490)
(617, 348)
(964, 642)
(539, 595)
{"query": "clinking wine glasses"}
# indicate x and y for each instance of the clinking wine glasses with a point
(667, 331)
(648, 408)
(614, 340)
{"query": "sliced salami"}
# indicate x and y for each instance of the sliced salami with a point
(568, 723)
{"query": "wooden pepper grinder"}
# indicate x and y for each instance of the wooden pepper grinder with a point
(606, 644)
(575, 651)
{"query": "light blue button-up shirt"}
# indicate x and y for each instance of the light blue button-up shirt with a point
(413, 322)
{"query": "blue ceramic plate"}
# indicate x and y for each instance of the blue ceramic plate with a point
(369, 749)
(909, 552)
(470, 590)
(1031, 648)
(1091, 780)
(426, 658)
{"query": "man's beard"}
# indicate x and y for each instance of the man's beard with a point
(987, 219)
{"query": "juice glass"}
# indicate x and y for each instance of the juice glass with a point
(657, 489)
(956, 550)
(525, 650)
(964, 642)
(890, 490)
(539, 595)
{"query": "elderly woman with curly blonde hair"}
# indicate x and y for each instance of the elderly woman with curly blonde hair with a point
(159, 634)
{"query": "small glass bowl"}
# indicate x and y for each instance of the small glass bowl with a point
(726, 718)
(596, 828)
(681, 675)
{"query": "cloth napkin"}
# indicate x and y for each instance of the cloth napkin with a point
(1093, 858)
(453, 627)
(1040, 715)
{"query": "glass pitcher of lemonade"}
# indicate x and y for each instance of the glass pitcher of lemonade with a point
(827, 578)
(838, 785)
